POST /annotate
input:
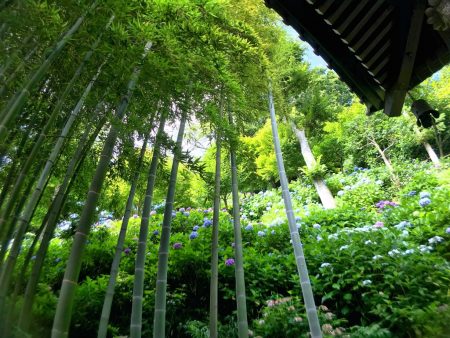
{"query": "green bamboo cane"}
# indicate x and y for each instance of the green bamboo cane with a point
(239, 256)
(63, 313)
(138, 287)
(159, 319)
(4, 213)
(25, 218)
(213, 295)
(17, 102)
(77, 159)
(308, 297)
(107, 303)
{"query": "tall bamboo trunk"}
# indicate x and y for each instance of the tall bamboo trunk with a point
(159, 318)
(25, 218)
(138, 287)
(325, 195)
(238, 251)
(308, 297)
(213, 289)
(75, 163)
(43, 135)
(16, 103)
(63, 313)
(106, 310)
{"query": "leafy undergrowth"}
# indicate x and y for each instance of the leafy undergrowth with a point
(379, 264)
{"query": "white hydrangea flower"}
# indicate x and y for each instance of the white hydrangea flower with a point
(366, 282)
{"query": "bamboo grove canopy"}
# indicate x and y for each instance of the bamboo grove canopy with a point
(381, 48)
(83, 81)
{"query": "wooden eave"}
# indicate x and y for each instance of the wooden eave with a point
(380, 48)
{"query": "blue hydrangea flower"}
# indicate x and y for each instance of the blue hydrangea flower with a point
(207, 223)
(249, 227)
(316, 226)
(273, 232)
(174, 214)
(411, 193)
(195, 228)
(340, 192)
(423, 202)
(424, 194)
(261, 233)
(447, 231)
(156, 232)
(177, 245)
(193, 235)
(186, 213)
(182, 209)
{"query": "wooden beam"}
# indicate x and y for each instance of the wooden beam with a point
(395, 96)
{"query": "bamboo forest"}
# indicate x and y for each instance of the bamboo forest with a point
(181, 168)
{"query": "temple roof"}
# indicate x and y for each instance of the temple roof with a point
(380, 48)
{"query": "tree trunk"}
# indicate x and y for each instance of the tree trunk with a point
(430, 151)
(239, 257)
(325, 195)
(63, 313)
(305, 284)
(159, 318)
(213, 295)
(386, 161)
(16, 103)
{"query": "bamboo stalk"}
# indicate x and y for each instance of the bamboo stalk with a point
(213, 295)
(308, 297)
(138, 286)
(50, 121)
(107, 303)
(239, 256)
(159, 318)
(63, 313)
(84, 145)
(25, 218)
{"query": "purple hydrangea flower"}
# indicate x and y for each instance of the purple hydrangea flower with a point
(127, 251)
(378, 224)
(193, 235)
(152, 213)
(423, 202)
(229, 262)
(182, 209)
(135, 216)
(177, 245)
(447, 231)
(195, 228)
(383, 204)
